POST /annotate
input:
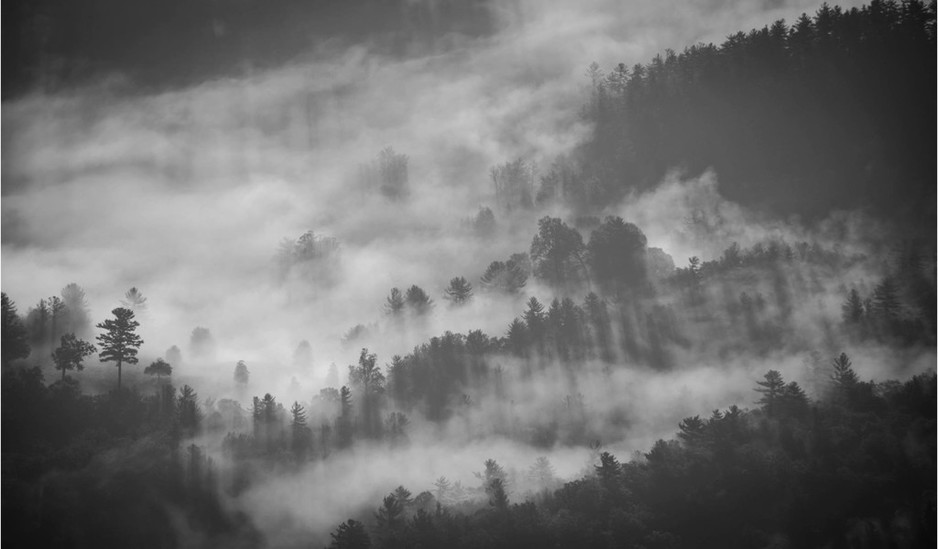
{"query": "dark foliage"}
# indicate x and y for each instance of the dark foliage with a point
(834, 111)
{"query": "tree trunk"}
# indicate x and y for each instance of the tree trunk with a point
(118, 376)
(63, 374)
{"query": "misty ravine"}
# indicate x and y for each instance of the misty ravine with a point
(453, 274)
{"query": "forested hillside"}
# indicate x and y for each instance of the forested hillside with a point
(692, 304)
(831, 111)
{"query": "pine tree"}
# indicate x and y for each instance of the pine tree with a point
(13, 340)
(418, 301)
(395, 303)
(369, 381)
(299, 430)
(843, 377)
(351, 534)
(76, 319)
(344, 421)
(517, 338)
(616, 255)
(241, 373)
(134, 300)
(886, 304)
(56, 309)
(459, 291)
(187, 410)
(534, 318)
(71, 354)
(120, 342)
(771, 390)
(557, 254)
(159, 368)
(852, 309)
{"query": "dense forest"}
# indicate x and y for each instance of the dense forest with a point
(608, 391)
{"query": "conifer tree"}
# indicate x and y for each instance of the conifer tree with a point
(459, 291)
(71, 354)
(14, 338)
(771, 389)
(120, 342)
(159, 368)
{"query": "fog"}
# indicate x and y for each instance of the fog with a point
(186, 194)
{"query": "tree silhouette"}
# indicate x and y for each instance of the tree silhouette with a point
(351, 534)
(616, 255)
(852, 309)
(299, 430)
(418, 301)
(15, 344)
(459, 291)
(76, 319)
(844, 377)
(188, 411)
(120, 342)
(508, 277)
(159, 368)
(71, 354)
(772, 389)
(484, 223)
(557, 254)
(56, 309)
(368, 380)
(134, 300)
(241, 373)
(173, 355)
(201, 342)
(395, 303)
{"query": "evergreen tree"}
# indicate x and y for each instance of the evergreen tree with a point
(534, 318)
(418, 301)
(616, 255)
(459, 291)
(56, 309)
(159, 368)
(344, 421)
(484, 223)
(71, 354)
(557, 254)
(506, 277)
(852, 309)
(772, 389)
(395, 303)
(188, 412)
(517, 338)
(368, 380)
(844, 377)
(241, 373)
(76, 318)
(498, 498)
(134, 300)
(389, 514)
(201, 343)
(15, 344)
(299, 430)
(120, 342)
(886, 300)
(351, 534)
(173, 355)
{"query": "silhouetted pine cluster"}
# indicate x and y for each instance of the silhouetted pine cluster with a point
(853, 469)
(834, 111)
(111, 470)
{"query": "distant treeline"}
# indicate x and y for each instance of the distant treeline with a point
(855, 468)
(834, 111)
